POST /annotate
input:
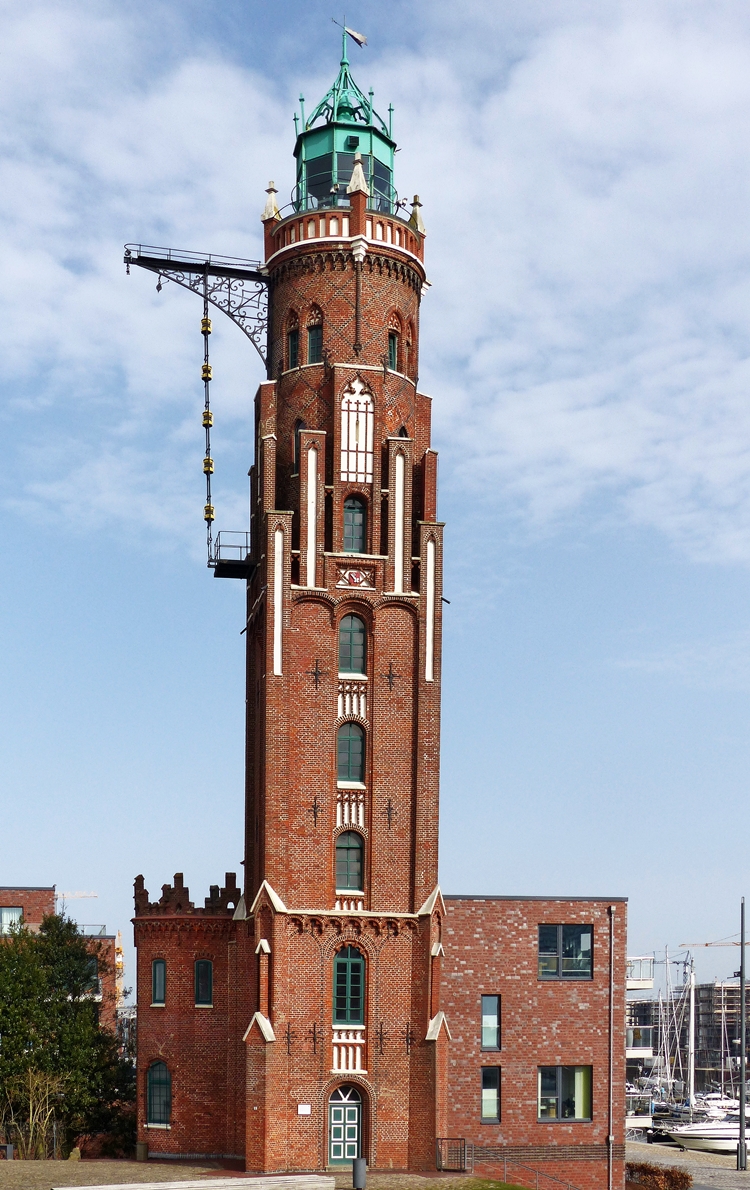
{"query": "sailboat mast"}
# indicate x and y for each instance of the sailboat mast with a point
(692, 1039)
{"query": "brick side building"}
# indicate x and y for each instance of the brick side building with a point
(313, 1015)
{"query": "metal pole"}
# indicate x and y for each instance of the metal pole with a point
(741, 1145)
(692, 1041)
(611, 1055)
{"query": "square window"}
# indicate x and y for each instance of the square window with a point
(566, 952)
(490, 1022)
(490, 1094)
(564, 1092)
(10, 916)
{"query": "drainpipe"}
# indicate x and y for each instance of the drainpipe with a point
(610, 1119)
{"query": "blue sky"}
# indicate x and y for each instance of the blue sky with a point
(584, 176)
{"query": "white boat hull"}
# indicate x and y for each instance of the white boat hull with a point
(719, 1140)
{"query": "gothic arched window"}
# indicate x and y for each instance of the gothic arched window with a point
(350, 848)
(292, 341)
(352, 645)
(394, 342)
(355, 525)
(351, 753)
(158, 1093)
(349, 987)
(315, 336)
(357, 433)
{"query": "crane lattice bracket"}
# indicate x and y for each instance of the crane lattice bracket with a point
(237, 287)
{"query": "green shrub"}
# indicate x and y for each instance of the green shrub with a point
(658, 1177)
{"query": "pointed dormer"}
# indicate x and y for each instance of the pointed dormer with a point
(343, 125)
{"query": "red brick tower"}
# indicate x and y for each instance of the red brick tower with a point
(343, 672)
(297, 1024)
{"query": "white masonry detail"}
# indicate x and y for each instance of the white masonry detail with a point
(349, 1049)
(312, 513)
(350, 807)
(352, 699)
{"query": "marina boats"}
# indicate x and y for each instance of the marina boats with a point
(710, 1136)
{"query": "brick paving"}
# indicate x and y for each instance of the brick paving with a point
(43, 1175)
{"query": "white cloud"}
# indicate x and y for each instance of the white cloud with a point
(585, 188)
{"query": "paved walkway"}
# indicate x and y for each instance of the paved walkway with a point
(43, 1175)
(711, 1171)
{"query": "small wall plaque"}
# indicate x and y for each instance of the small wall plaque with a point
(304, 1109)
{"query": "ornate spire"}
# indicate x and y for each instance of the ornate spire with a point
(270, 211)
(358, 180)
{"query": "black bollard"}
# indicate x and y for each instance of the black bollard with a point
(359, 1173)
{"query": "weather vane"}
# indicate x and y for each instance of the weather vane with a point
(358, 37)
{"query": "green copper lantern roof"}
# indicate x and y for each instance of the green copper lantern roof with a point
(346, 103)
(343, 124)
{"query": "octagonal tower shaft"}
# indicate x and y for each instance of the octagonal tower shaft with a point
(344, 531)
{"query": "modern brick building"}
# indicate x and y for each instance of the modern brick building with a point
(332, 1006)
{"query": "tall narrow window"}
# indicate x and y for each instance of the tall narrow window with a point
(352, 648)
(299, 426)
(158, 981)
(564, 1092)
(393, 350)
(357, 433)
(349, 987)
(351, 753)
(158, 1094)
(490, 1094)
(490, 1022)
(292, 342)
(204, 982)
(314, 344)
(355, 525)
(349, 852)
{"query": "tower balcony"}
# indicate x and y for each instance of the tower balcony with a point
(349, 1054)
(337, 223)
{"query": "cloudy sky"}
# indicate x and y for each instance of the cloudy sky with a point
(584, 173)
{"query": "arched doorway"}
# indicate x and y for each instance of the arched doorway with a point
(344, 1125)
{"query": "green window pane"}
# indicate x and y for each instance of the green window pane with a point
(352, 645)
(355, 525)
(158, 981)
(490, 1092)
(204, 981)
(293, 348)
(158, 1094)
(314, 344)
(393, 351)
(348, 987)
(351, 752)
(490, 1022)
(349, 850)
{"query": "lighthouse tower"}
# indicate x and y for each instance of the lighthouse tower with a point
(295, 1022)
(343, 670)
